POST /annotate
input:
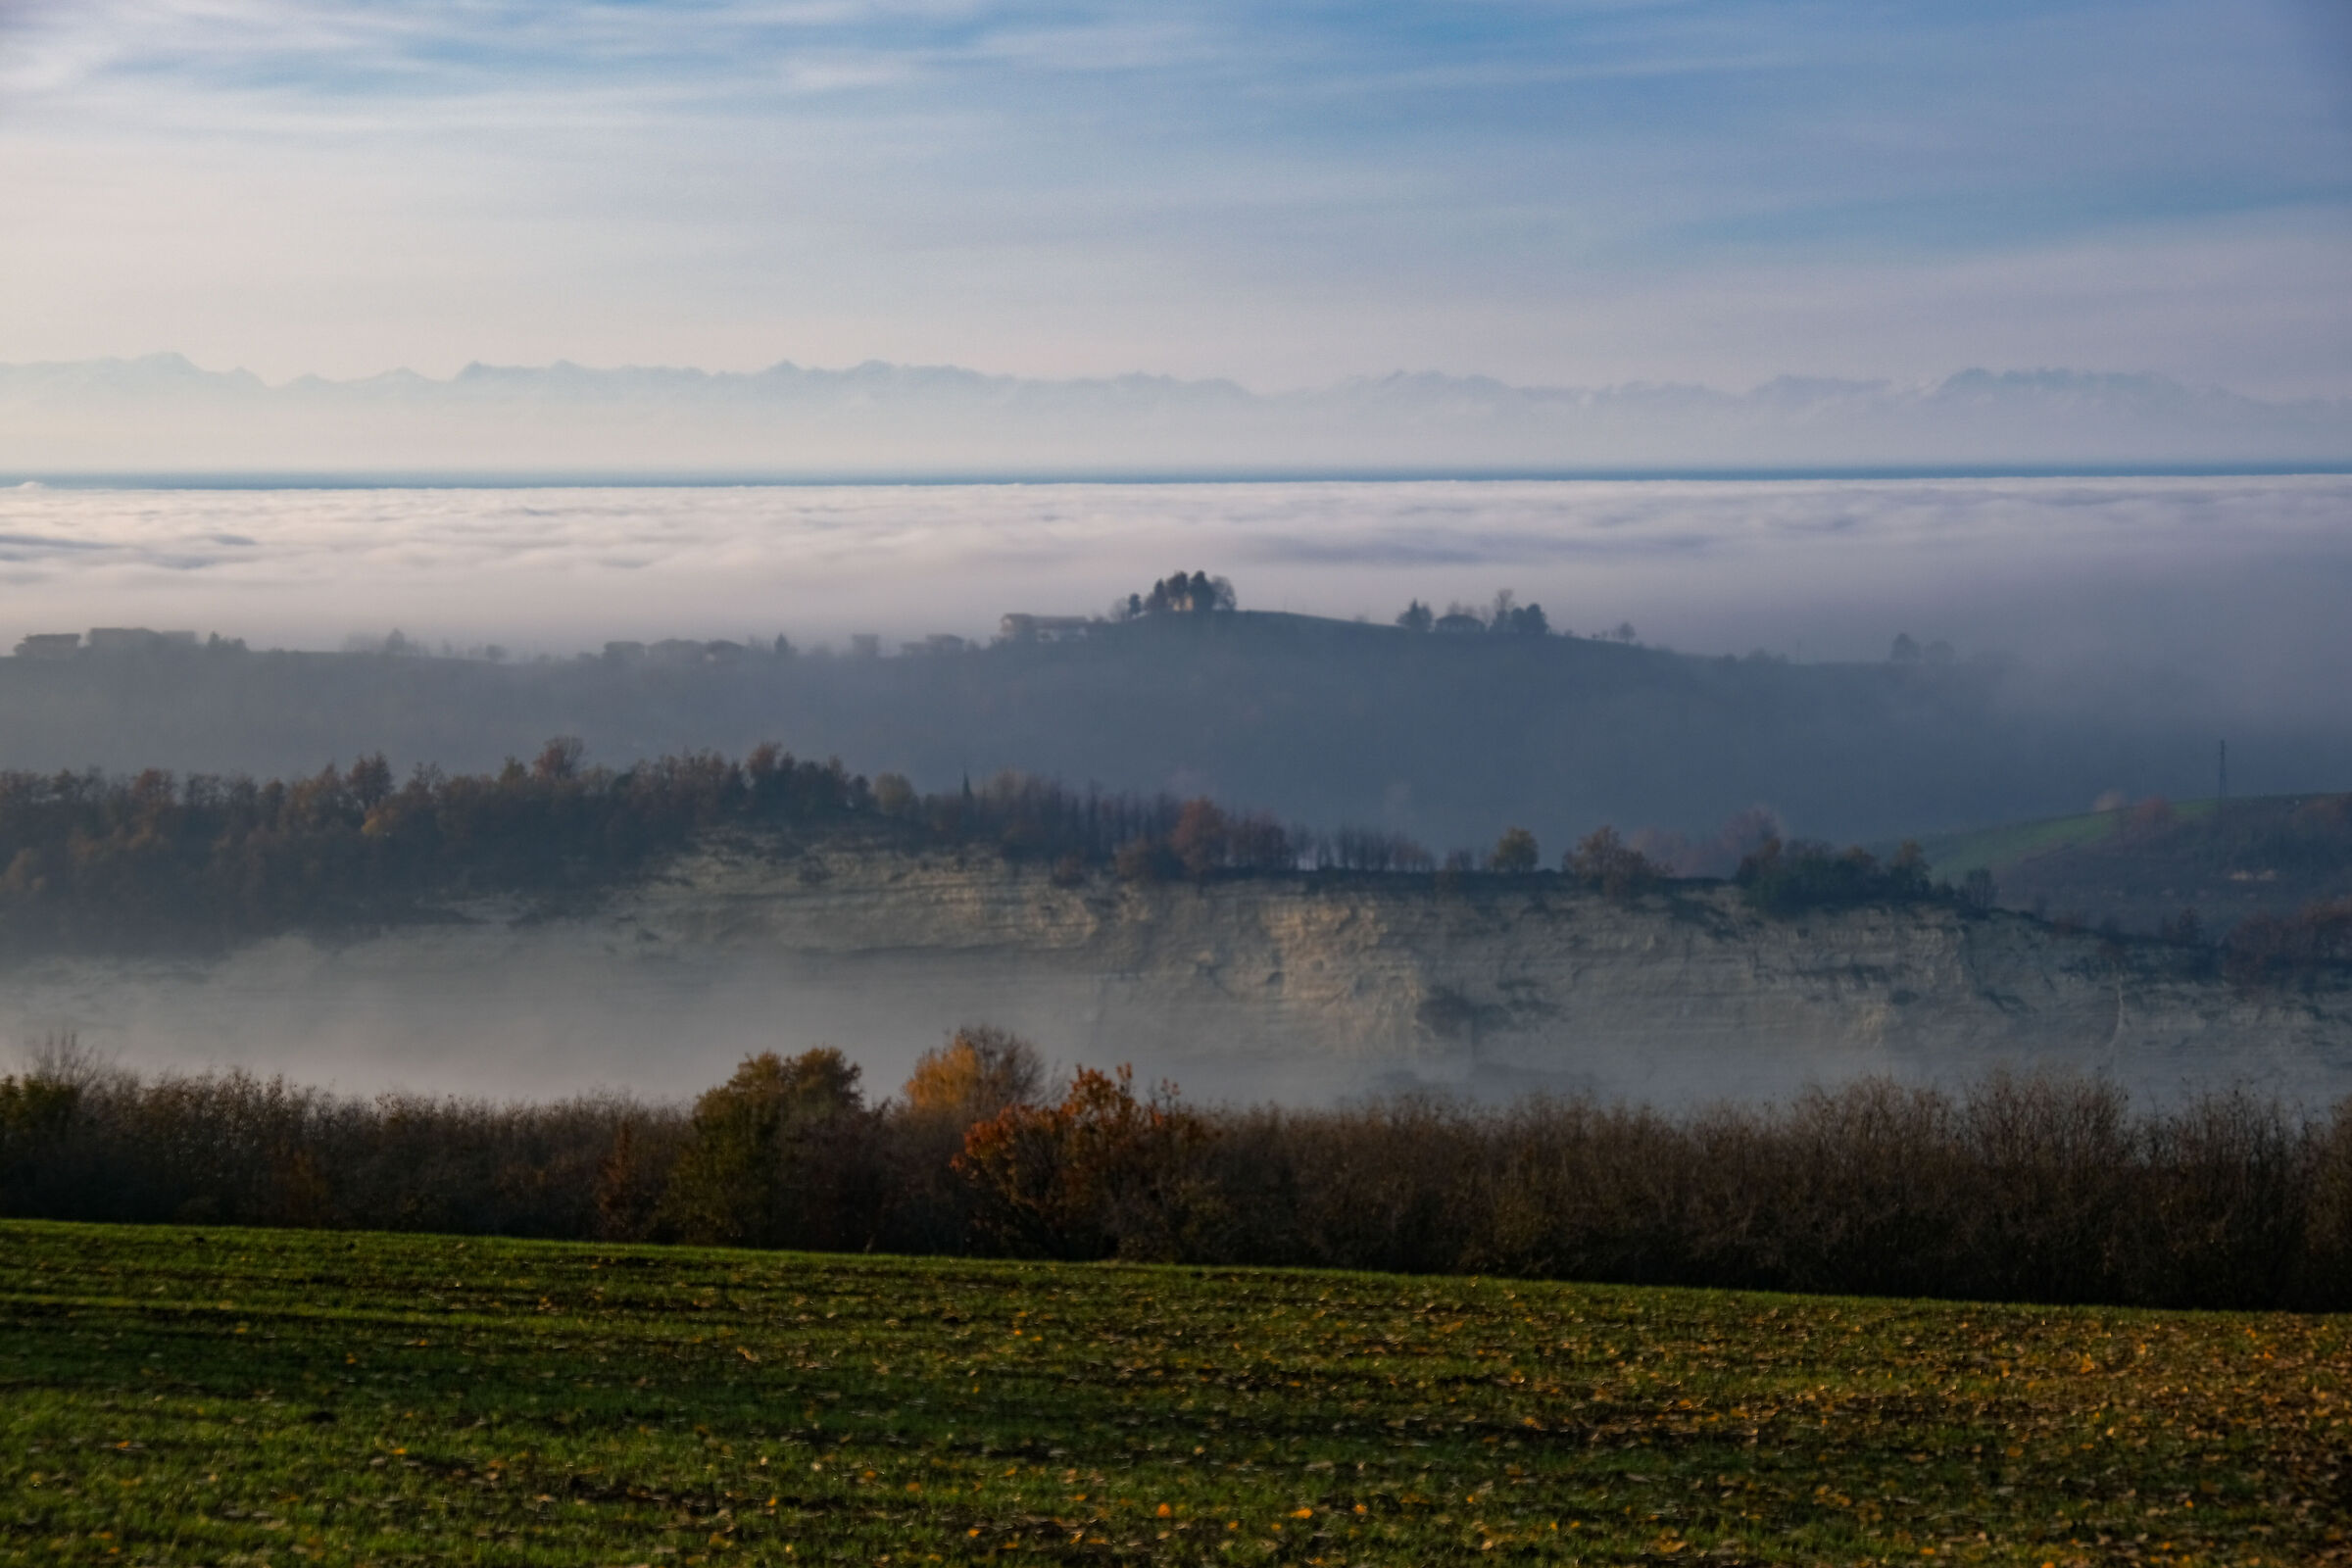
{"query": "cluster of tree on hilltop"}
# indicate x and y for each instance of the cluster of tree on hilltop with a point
(1179, 594)
(1198, 592)
(1505, 616)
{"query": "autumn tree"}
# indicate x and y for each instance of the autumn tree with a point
(979, 1072)
(1201, 839)
(1515, 852)
(370, 780)
(1603, 860)
(894, 795)
(558, 759)
(1146, 861)
(1101, 1174)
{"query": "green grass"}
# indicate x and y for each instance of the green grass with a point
(177, 1396)
(1994, 849)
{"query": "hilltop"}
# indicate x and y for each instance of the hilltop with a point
(1445, 739)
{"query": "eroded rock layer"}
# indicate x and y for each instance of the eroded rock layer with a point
(1306, 987)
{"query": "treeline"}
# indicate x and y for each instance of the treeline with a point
(1777, 878)
(89, 860)
(2021, 1189)
(1787, 878)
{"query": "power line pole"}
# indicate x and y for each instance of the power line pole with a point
(2221, 804)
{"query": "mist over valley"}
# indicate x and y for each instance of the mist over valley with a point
(2076, 637)
(1370, 948)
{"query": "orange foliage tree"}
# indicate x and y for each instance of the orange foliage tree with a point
(1101, 1174)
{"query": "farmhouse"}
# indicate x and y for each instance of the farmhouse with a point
(1020, 628)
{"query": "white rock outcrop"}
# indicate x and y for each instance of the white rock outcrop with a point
(1305, 986)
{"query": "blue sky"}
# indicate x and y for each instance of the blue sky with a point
(1574, 193)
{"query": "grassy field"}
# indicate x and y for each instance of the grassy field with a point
(177, 1395)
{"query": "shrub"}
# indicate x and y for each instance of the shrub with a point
(1785, 879)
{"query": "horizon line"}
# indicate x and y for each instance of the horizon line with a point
(480, 369)
(717, 479)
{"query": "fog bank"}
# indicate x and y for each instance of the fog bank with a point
(2229, 588)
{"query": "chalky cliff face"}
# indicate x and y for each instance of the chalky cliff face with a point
(1306, 988)
(1677, 994)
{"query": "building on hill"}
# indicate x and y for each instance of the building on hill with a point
(50, 645)
(938, 644)
(138, 640)
(1021, 628)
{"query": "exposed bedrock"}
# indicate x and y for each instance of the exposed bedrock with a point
(1304, 987)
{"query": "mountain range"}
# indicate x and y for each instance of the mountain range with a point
(165, 415)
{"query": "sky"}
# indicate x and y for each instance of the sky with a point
(1585, 192)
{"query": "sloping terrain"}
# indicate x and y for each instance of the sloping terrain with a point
(2140, 866)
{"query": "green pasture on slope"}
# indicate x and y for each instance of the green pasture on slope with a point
(217, 1396)
(1952, 856)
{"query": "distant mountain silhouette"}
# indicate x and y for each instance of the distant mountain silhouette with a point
(165, 414)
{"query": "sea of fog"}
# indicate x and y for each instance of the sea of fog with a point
(2238, 580)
